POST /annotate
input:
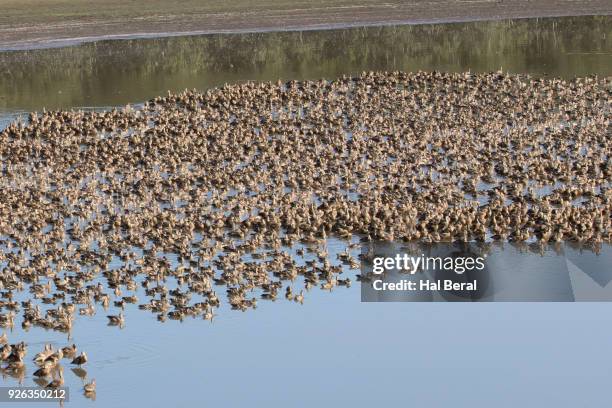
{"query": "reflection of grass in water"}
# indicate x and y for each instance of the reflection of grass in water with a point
(117, 72)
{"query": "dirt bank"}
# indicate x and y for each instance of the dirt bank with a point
(38, 23)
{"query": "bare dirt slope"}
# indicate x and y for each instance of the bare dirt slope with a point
(43, 23)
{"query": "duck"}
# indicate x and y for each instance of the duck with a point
(288, 293)
(57, 383)
(69, 350)
(90, 387)
(42, 356)
(116, 319)
(80, 360)
(45, 370)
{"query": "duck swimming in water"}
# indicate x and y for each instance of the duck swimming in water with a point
(116, 320)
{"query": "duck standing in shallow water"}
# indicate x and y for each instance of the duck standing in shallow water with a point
(90, 387)
(70, 351)
(57, 383)
(80, 360)
(45, 370)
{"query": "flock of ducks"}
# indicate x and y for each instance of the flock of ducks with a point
(50, 373)
(241, 186)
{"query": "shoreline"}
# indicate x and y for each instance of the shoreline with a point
(62, 33)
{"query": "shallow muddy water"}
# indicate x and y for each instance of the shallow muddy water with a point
(333, 350)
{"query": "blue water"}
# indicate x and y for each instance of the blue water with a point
(336, 351)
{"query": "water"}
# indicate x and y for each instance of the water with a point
(127, 71)
(333, 350)
(509, 272)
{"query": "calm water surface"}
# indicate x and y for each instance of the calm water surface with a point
(333, 350)
(336, 351)
(120, 72)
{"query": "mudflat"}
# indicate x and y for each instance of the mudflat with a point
(48, 23)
